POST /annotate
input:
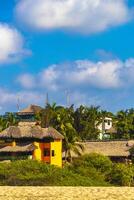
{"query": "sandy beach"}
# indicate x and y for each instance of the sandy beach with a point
(66, 193)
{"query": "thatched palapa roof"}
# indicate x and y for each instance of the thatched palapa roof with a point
(30, 130)
(10, 149)
(32, 109)
(109, 148)
(111, 130)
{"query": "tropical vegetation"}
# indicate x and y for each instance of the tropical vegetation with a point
(87, 170)
(9, 119)
(81, 122)
(78, 124)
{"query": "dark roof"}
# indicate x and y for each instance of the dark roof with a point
(109, 148)
(30, 130)
(32, 109)
(26, 148)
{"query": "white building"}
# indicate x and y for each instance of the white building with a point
(104, 126)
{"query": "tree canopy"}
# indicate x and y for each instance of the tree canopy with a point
(80, 124)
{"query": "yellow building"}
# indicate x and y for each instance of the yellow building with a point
(31, 140)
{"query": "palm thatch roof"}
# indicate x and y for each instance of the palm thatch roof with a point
(20, 149)
(32, 109)
(30, 130)
(109, 148)
(111, 130)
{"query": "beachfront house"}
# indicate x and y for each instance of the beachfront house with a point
(28, 114)
(104, 126)
(119, 151)
(30, 140)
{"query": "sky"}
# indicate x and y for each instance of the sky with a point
(79, 52)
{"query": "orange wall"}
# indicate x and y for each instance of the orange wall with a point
(56, 146)
(39, 152)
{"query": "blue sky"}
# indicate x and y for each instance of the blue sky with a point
(83, 47)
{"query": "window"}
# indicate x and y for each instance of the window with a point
(46, 152)
(53, 153)
(109, 122)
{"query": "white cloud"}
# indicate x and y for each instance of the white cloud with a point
(81, 73)
(128, 73)
(8, 99)
(27, 80)
(85, 80)
(129, 63)
(86, 16)
(48, 77)
(100, 74)
(11, 44)
(104, 55)
(44, 79)
(83, 98)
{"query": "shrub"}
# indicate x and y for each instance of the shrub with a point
(36, 173)
(99, 162)
(87, 170)
(122, 175)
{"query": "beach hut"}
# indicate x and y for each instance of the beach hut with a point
(29, 138)
(118, 151)
(28, 114)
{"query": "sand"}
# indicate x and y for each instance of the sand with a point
(66, 193)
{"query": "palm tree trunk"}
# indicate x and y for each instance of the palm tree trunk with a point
(65, 156)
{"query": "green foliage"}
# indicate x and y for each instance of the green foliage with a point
(83, 121)
(131, 150)
(122, 175)
(125, 124)
(86, 121)
(8, 120)
(62, 119)
(99, 162)
(95, 165)
(82, 124)
(101, 168)
(88, 170)
(36, 173)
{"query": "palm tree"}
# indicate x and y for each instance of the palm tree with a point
(65, 124)
(71, 142)
(8, 120)
(62, 119)
(11, 120)
(86, 122)
(47, 115)
(72, 146)
(122, 124)
(125, 124)
(2, 123)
